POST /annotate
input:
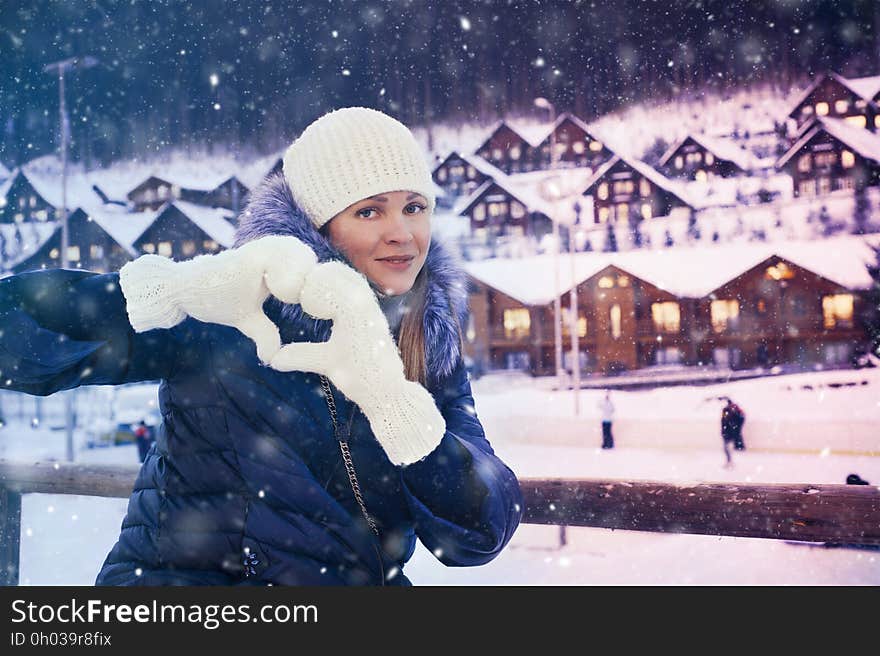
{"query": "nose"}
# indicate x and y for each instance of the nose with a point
(398, 229)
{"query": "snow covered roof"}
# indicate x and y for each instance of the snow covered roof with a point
(33, 235)
(214, 221)
(673, 187)
(683, 272)
(722, 149)
(862, 141)
(123, 226)
(4, 172)
(866, 87)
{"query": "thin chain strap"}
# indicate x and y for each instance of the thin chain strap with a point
(346, 455)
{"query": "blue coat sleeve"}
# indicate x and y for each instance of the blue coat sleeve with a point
(465, 502)
(61, 328)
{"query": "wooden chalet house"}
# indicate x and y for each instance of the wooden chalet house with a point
(773, 313)
(832, 154)
(628, 191)
(459, 175)
(576, 147)
(23, 199)
(153, 193)
(183, 230)
(778, 312)
(499, 209)
(854, 100)
(508, 150)
(700, 158)
(90, 247)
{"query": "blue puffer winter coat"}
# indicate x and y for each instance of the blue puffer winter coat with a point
(246, 483)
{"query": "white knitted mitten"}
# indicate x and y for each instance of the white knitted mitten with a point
(228, 288)
(362, 360)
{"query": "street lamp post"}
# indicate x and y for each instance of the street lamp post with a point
(557, 309)
(573, 303)
(61, 67)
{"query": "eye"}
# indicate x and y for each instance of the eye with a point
(419, 207)
(365, 209)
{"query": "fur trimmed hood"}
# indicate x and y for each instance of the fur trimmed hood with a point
(271, 210)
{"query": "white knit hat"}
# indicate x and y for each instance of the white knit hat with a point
(350, 154)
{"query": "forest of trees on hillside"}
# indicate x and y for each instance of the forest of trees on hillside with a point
(250, 75)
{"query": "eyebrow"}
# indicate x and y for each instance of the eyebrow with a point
(383, 199)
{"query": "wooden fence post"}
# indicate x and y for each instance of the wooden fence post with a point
(10, 535)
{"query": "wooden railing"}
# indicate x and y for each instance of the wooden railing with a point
(847, 514)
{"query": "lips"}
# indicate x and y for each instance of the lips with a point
(397, 258)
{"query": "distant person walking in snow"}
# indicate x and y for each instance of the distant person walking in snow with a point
(143, 435)
(606, 407)
(732, 420)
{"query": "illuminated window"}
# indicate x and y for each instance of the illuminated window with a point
(210, 245)
(19, 217)
(826, 159)
(667, 316)
(858, 121)
(595, 146)
(188, 247)
(496, 153)
(163, 192)
(646, 210)
(804, 163)
(841, 106)
(679, 162)
(566, 323)
(806, 110)
(710, 158)
(497, 209)
(604, 214)
(515, 152)
(479, 212)
(73, 253)
(40, 215)
(644, 188)
(456, 171)
(725, 314)
(623, 281)
(472, 172)
(846, 183)
(441, 175)
(165, 248)
(481, 235)
(149, 196)
(21, 200)
(53, 253)
(33, 201)
(623, 212)
(701, 176)
(877, 121)
(824, 185)
(96, 252)
(578, 147)
(606, 282)
(602, 191)
(807, 188)
(561, 148)
(822, 108)
(149, 248)
(516, 323)
(614, 315)
(837, 310)
(517, 211)
(624, 187)
(780, 271)
(175, 191)
(847, 159)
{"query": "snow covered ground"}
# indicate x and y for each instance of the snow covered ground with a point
(806, 428)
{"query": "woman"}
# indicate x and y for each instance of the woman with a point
(261, 350)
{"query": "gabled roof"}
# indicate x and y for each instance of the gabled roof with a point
(723, 149)
(684, 272)
(504, 123)
(862, 141)
(670, 186)
(865, 88)
(213, 221)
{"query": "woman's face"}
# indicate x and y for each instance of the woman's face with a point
(395, 224)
